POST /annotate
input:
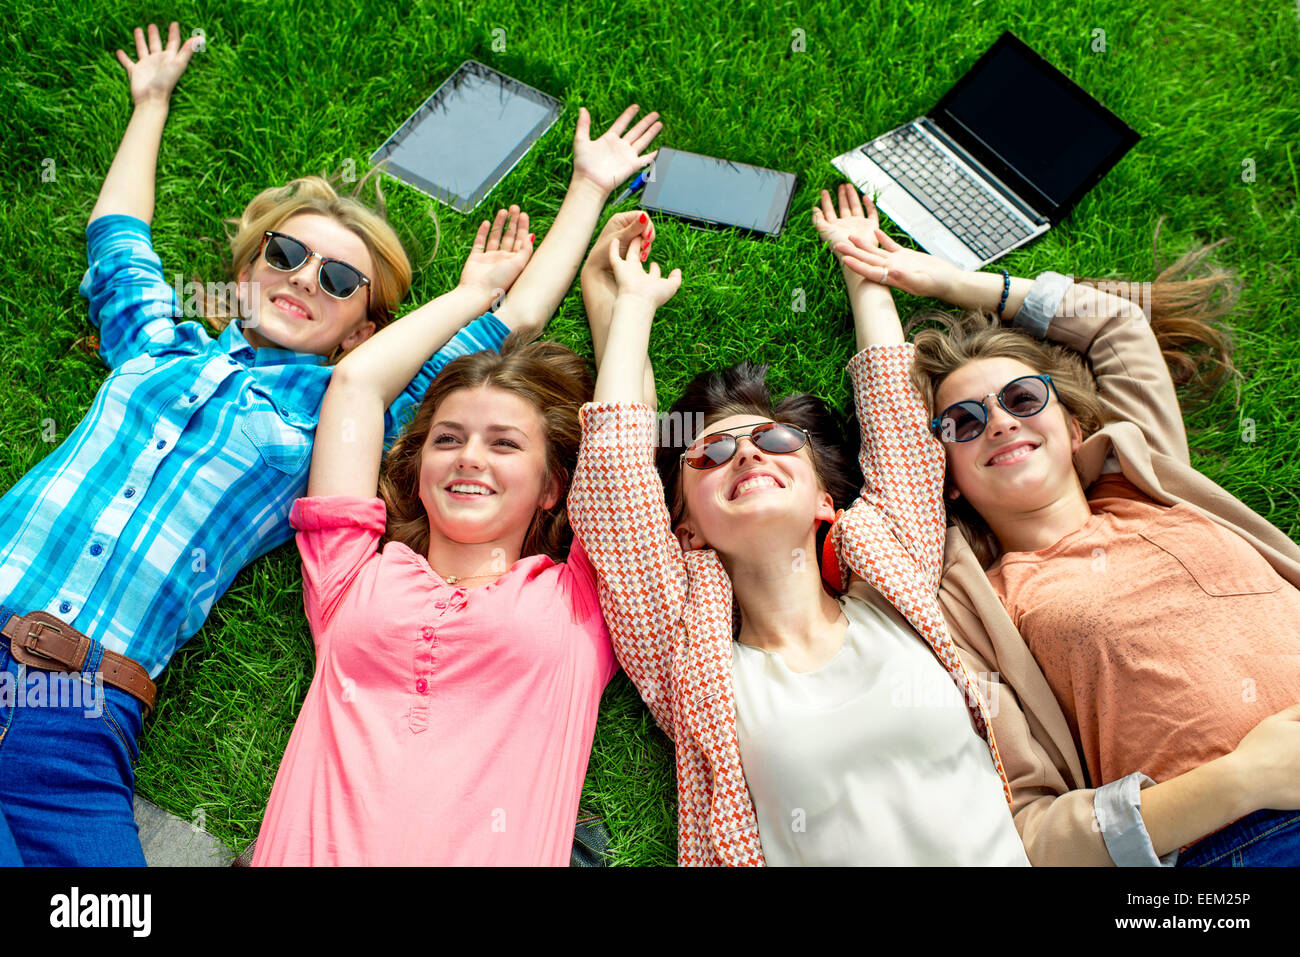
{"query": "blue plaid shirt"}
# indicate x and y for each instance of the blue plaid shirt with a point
(182, 472)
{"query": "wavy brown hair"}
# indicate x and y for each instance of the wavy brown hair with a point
(1181, 312)
(554, 380)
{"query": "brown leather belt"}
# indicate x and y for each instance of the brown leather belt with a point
(39, 640)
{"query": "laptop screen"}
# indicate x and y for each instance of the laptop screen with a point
(1032, 127)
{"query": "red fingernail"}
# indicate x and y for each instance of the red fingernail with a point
(644, 219)
(530, 236)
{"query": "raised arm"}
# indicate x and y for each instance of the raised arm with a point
(616, 503)
(620, 377)
(598, 167)
(600, 288)
(350, 434)
(902, 466)
(1111, 331)
(875, 318)
(129, 186)
(500, 249)
(1116, 336)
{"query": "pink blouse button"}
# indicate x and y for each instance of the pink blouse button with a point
(426, 632)
(421, 685)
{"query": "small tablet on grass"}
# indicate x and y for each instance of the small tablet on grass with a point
(718, 192)
(465, 138)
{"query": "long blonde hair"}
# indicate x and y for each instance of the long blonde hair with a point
(272, 207)
(1181, 312)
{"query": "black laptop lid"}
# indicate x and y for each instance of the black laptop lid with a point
(1032, 127)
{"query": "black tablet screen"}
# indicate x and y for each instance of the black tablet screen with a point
(717, 191)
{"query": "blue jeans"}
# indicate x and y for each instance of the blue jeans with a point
(67, 746)
(1263, 839)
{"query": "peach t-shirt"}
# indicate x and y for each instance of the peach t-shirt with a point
(1165, 636)
(444, 725)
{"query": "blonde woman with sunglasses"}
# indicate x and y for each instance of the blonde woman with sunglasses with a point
(115, 546)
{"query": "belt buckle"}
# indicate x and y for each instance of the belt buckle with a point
(29, 642)
(27, 649)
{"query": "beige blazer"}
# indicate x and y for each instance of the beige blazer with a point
(1052, 800)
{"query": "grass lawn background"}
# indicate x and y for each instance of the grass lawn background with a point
(290, 88)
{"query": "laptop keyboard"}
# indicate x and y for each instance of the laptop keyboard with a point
(947, 190)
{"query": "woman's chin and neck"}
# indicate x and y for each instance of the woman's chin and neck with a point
(1031, 524)
(778, 585)
(472, 560)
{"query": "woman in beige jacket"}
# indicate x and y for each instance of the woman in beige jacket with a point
(1079, 701)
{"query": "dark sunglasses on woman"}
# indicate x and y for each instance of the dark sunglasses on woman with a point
(335, 277)
(718, 448)
(964, 421)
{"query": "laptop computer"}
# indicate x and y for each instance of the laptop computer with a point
(1002, 158)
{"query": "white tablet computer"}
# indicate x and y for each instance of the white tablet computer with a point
(465, 138)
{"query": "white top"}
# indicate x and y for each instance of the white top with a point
(870, 759)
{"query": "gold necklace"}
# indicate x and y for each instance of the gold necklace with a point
(455, 579)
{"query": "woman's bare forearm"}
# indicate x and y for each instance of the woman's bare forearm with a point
(129, 186)
(537, 293)
(1196, 803)
(875, 317)
(599, 305)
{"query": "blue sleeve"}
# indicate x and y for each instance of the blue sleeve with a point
(485, 332)
(130, 301)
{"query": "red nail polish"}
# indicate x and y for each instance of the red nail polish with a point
(644, 219)
(530, 236)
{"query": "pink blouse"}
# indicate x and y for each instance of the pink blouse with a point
(444, 725)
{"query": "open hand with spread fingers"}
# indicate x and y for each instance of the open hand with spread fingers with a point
(153, 75)
(883, 261)
(501, 250)
(617, 155)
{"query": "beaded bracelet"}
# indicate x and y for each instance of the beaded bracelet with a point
(1006, 291)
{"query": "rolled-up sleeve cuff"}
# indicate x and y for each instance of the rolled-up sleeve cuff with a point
(1042, 302)
(1117, 806)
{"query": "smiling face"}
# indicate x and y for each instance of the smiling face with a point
(483, 468)
(753, 498)
(1016, 464)
(289, 310)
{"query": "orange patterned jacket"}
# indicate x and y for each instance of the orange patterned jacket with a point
(669, 612)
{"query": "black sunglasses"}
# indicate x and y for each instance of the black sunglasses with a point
(718, 448)
(335, 277)
(965, 421)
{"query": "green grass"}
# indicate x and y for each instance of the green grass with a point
(290, 88)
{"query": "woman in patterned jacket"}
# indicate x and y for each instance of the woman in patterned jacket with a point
(823, 729)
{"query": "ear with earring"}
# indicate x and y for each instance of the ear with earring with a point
(830, 563)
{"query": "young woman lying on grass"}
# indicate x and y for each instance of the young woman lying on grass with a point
(461, 652)
(824, 729)
(1162, 614)
(182, 472)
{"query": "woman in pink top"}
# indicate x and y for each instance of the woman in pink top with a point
(1163, 614)
(460, 666)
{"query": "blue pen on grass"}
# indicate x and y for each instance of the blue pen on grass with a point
(636, 184)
